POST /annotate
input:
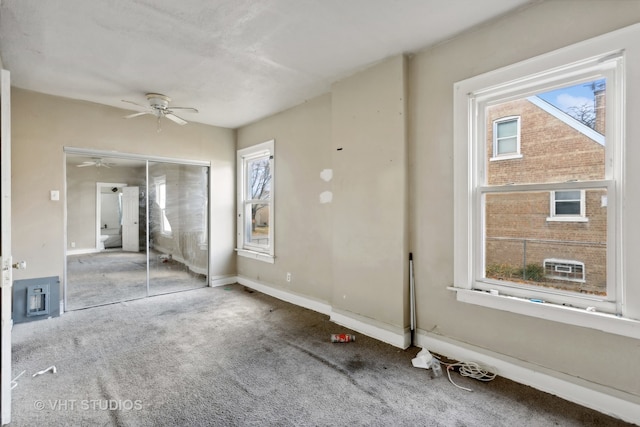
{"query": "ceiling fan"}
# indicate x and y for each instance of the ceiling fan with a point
(159, 107)
(97, 162)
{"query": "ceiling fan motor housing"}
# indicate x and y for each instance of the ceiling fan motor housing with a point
(158, 101)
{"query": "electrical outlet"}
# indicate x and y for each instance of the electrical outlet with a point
(288, 277)
(73, 244)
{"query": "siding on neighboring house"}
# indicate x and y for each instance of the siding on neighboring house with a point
(552, 151)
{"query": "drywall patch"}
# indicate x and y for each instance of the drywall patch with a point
(326, 174)
(326, 197)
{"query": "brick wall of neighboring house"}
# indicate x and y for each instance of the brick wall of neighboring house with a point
(552, 151)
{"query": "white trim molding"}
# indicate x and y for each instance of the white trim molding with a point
(586, 318)
(400, 338)
(222, 280)
(603, 399)
(371, 328)
(286, 296)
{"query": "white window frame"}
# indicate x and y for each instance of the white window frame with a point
(553, 216)
(158, 182)
(264, 253)
(496, 140)
(606, 56)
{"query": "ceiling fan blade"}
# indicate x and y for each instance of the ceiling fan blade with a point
(175, 119)
(191, 109)
(146, 107)
(130, 116)
(85, 164)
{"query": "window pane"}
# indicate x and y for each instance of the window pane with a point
(259, 175)
(161, 196)
(562, 136)
(506, 129)
(519, 240)
(568, 195)
(508, 145)
(258, 230)
(567, 208)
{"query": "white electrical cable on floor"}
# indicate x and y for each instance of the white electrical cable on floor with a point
(468, 369)
(14, 382)
(44, 371)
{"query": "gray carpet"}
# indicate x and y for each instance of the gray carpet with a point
(113, 275)
(229, 357)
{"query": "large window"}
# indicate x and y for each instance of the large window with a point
(545, 227)
(255, 201)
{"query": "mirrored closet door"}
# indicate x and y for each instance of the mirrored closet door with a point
(135, 228)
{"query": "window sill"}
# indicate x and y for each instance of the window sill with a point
(506, 157)
(567, 219)
(558, 313)
(260, 256)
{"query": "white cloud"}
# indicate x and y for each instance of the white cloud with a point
(564, 101)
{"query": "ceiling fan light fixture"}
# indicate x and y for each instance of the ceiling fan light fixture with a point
(158, 101)
(159, 107)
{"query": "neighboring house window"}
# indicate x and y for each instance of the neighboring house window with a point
(506, 137)
(255, 201)
(564, 270)
(507, 239)
(161, 200)
(567, 206)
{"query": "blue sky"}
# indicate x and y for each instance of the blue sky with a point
(567, 97)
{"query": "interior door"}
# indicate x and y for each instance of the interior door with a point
(5, 246)
(130, 219)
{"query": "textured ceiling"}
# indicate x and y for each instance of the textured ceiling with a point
(236, 61)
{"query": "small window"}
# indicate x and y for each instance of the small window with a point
(564, 270)
(567, 205)
(506, 137)
(255, 201)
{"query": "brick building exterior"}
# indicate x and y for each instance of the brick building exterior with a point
(522, 228)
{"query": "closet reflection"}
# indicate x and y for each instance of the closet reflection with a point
(178, 246)
(135, 228)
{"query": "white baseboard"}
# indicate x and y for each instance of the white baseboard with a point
(600, 398)
(401, 339)
(283, 295)
(222, 281)
(368, 327)
(82, 251)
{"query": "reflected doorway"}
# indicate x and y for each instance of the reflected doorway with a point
(136, 227)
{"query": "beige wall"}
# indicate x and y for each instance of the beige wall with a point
(370, 241)
(579, 352)
(303, 238)
(43, 125)
(357, 263)
(81, 200)
(361, 115)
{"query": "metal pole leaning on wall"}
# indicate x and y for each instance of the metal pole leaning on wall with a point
(412, 298)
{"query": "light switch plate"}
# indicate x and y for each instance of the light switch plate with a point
(55, 195)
